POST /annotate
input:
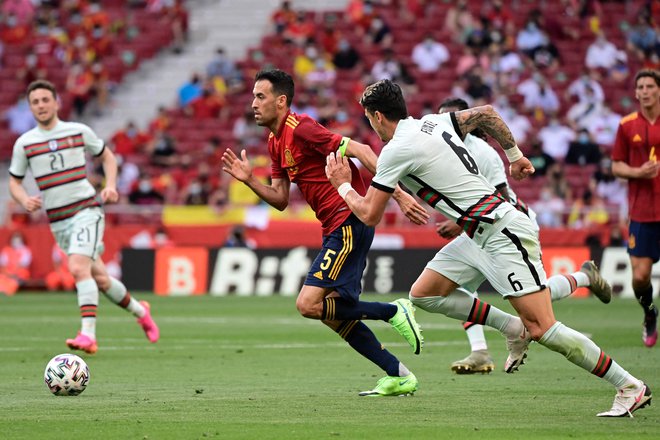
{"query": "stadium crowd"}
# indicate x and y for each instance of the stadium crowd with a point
(559, 73)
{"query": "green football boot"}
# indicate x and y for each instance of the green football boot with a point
(393, 386)
(404, 323)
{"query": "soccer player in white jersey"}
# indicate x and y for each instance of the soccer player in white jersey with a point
(54, 151)
(491, 166)
(500, 243)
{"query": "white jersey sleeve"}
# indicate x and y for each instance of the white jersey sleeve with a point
(93, 144)
(19, 162)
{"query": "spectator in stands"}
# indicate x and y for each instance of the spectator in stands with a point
(539, 97)
(330, 35)
(196, 192)
(22, 10)
(588, 211)
(15, 260)
(500, 20)
(584, 112)
(162, 150)
(19, 117)
(603, 126)
(304, 106)
(346, 57)
(601, 54)
(429, 55)
(31, 70)
(144, 193)
(586, 88)
(549, 208)
(221, 66)
(237, 238)
(305, 60)
(190, 90)
(530, 38)
(611, 189)
(59, 278)
(476, 88)
(282, 17)
(391, 68)
(470, 59)
(519, 124)
(13, 32)
(379, 33)
(558, 183)
(321, 77)
(301, 30)
(78, 86)
(583, 150)
(555, 138)
(342, 123)
(127, 176)
(459, 21)
(208, 105)
(246, 132)
(506, 64)
(162, 121)
(539, 159)
(129, 140)
(642, 38)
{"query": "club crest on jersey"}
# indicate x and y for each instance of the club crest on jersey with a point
(290, 161)
(52, 145)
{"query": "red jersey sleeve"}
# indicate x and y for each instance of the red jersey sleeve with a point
(276, 171)
(315, 136)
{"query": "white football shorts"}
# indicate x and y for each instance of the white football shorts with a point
(82, 234)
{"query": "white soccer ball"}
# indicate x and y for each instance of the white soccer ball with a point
(66, 375)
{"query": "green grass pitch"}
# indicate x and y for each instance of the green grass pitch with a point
(252, 368)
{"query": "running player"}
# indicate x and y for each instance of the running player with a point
(500, 243)
(298, 146)
(635, 158)
(55, 153)
(492, 168)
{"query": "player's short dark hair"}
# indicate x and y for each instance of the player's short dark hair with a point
(648, 73)
(459, 103)
(41, 84)
(385, 97)
(281, 81)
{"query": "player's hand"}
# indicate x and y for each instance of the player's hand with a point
(337, 169)
(239, 168)
(32, 203)
(521, 168)
(109, 195)
(649, 170)
(448, 229)
(410, 207)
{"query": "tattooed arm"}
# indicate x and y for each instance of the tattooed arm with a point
(486, 118)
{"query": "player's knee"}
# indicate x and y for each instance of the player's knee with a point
(103, 281)
(79, 272)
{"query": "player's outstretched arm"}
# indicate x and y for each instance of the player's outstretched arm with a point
(18, 193)
(407, 203)
(276, 195)
(109, 192)
(486, 118)
(370, 208)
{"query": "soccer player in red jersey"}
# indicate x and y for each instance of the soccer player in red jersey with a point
(634, 158)
(298, 147)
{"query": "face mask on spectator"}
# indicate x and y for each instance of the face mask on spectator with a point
(144, 186)
(583, 138)
(16, 241)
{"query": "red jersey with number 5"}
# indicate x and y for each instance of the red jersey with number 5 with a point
(298, 153)
(637, 142)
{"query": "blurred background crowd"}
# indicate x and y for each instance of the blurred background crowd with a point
(559, 72)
